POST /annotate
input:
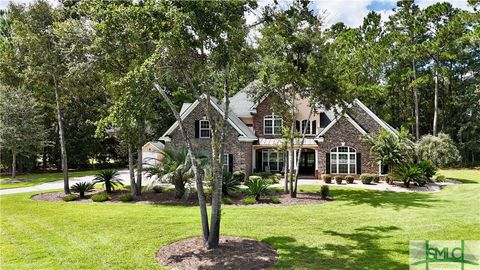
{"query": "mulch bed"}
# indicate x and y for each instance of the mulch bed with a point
(233, 253)
(168, 198)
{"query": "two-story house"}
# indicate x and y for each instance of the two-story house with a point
(334, 142)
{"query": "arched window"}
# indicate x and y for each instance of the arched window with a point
(343, 160)
(272, 125)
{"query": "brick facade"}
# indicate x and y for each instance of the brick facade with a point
(344, 132)
(242, 151)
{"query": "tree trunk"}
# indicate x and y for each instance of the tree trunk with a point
(287, 171)
(179, 188)
(415, 94)
(197, 175)
(435, 102)
(218, 147)
(63, 148)
(294, 192)
(108, 186)
(138, 188)
(131, 166)
(14, 165)
(292, 144)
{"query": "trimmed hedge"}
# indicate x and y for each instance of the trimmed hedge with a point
(349, 179)
(100, 197)
(338, 179)
(238, 177)
(324, 191)
(249, 200)
(368, 178)
(227, 200)
(126, 198)
(69, 198)
(327, 178)
(275, 200)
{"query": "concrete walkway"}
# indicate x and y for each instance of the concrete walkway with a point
(357, 184)
(123, 175)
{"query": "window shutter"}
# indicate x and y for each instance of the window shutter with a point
(327, 163)
(314, 127)
(197, 128)
(230, 162)
(297, 125)
(359, 163)
(259, 161)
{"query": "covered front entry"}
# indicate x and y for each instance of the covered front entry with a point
(307, 162)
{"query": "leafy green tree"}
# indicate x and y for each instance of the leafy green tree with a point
(391, 149)
(21, 124)
(440, 150)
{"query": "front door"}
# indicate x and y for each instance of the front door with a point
(307, 162)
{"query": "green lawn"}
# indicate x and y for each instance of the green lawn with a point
(40, 178)
(467, 176)
(360, 229)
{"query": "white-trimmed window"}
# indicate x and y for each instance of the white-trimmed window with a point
(272, 160)
(272, 125)
(226, 163)
(305, 127)
(343, 160)
(204, 129)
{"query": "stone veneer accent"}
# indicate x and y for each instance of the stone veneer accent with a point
(344, 131)
(364, 119)
(242, 151)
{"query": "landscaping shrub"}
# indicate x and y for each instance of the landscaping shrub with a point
(440, 150)
(81, 188)
(257, 187)
(277, 177)
(349, 179)
(110, 178)
(227, 200)
(101, 197)
(338, 179)
(327, 178)
(157, 189)
(254, 177)
(376, 178)
(239, 177)
(249, 200)
(409, 173)
(229, 184)
(275, 200)
(264, 175)
(428, 168)
(126, 198)
(69, 198)
(438, 178)
(324, 191)
(367, 178)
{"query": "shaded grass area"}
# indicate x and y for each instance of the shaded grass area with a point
(467, 176)
(40, 178)
(360, 229)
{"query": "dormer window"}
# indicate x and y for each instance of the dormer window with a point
(204, 129)
(272, 125)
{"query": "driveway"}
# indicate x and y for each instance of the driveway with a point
(59, 184)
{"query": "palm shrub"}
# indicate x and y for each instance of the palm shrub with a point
(257, 187)
(428, 168)
(81, 188)
(109, 178)
(229, 183)
(409, 173)
(175, 169)
(391, 149)
(440, 150)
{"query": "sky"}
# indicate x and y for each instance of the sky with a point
(351, 12)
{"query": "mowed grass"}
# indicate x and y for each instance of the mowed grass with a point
(467, 176)
(360, 229)
(40, 178)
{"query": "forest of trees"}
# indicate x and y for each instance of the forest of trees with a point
(85, 69)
